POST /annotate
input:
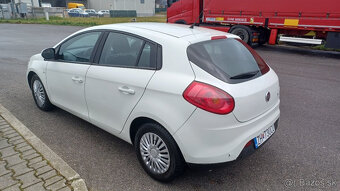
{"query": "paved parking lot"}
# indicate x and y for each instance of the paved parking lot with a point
(304, 153)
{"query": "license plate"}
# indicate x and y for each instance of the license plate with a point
(259, 140)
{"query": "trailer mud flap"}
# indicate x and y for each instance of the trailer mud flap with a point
(333, 40)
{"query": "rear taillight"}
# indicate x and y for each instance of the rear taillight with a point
(209, 98)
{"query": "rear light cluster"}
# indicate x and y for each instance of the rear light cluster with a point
(209, 98)
(255, 37)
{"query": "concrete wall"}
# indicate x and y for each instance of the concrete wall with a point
(52, 11)
(143, 9)
(38, 12)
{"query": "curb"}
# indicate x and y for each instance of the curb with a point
(56, 162)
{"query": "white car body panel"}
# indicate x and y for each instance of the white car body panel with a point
(66, 85)
(219, 138)
(38, 66)
(249, 96)
(108, 107)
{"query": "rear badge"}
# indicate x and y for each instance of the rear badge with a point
(267, 97)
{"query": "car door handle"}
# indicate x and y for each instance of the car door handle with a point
(77, 79)
(126, 90)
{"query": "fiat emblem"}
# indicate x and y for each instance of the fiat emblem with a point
(267, 97)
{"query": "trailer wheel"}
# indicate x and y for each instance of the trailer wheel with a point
(243, 32)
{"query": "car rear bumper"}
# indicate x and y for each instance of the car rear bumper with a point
(250, 149)
(208, 138)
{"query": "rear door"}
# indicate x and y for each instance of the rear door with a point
(115, 85)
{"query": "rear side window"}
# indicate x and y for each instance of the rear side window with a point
(229, 60)
(122, 50)
(148, 56)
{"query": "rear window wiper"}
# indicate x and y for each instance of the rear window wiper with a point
(245, 75)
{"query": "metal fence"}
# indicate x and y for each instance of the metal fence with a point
(5, 11)
(123, 13)
(21, 10)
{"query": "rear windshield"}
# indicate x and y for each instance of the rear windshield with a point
(230, 60)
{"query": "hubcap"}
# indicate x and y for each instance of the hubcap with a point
(39, 93)
(155, 153)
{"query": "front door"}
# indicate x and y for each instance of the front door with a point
(66, 74)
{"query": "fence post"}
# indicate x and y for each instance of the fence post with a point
(46, 16)
(3, 16)
(33, 14)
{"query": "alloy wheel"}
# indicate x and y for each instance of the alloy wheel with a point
(155, 153)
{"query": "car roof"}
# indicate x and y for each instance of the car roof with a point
(184, 32)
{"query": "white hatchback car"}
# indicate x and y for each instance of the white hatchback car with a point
(179, 95)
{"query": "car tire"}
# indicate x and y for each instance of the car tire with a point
(243, 32)
(39, 94)
(157, 145)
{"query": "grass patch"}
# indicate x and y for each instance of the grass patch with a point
(74, 21)
(322, 47)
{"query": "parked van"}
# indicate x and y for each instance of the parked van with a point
(75, 5)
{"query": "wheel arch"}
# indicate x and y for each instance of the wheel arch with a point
(139, 121)
(29, 77)
(41, 76)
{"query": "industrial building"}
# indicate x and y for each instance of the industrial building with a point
(142, 7)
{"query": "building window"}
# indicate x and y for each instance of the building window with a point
(142, 1)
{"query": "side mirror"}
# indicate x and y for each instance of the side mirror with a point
(48, 53)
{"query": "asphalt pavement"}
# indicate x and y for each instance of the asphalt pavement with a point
(304, 153)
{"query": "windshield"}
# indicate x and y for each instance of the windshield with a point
(229, 60)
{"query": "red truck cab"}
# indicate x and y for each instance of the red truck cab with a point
(184, 12)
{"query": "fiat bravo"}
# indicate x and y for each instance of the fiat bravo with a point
(179, 95)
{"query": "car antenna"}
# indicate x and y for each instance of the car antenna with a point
(199, 16)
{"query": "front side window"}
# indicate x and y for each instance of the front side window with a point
(78, 48)
(123, 50)
(170, 2)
